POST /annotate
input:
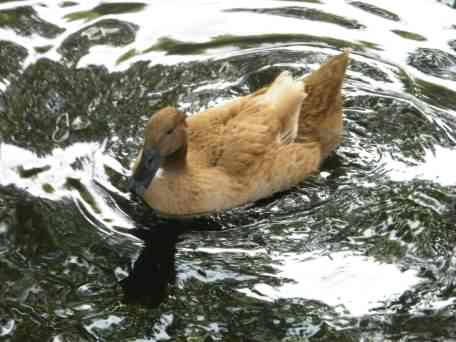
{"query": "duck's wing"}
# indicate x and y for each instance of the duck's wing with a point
(232, 133)
(205, 131)
(264, 122)
(287, 166)
(243, 145)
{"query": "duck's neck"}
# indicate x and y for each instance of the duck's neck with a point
(177, 160)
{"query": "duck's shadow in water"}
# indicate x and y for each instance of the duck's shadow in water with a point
(154, 269)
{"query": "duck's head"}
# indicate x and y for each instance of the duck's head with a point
(164, 137)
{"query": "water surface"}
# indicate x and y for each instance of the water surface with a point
(363, 251)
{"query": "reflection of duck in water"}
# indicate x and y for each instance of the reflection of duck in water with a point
(154, 269)
(244, 150)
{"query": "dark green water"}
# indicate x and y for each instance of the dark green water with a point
(365, 251)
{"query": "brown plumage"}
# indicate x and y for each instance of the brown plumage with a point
(243, 150)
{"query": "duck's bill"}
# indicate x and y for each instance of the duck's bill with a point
(145, 171)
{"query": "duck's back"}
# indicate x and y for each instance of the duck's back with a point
(205, 132)
(235, 135)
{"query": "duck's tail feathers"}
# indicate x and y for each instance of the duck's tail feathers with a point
(283, 89)
(321, 112)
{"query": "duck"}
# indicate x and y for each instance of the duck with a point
(244, 150)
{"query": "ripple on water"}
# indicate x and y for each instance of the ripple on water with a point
(381, 12)
(355, 283)
(434, 62)
(111, 32)
(434, 167)
(26, 21)
(104, 9)
(363, 250)
(11, 55)
(304, 13)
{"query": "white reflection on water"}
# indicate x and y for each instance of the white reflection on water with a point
(59, 166)
(357, 283)
(103, 324)
(208, 19)
(7, 327)
(437, 167)
(204, 274)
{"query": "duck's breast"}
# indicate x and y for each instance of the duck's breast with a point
(195, 191)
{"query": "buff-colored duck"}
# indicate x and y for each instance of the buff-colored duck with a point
(243, 150)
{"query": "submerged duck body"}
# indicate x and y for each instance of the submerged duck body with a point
(243, 150)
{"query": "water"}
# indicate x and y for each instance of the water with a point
(364, 251)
